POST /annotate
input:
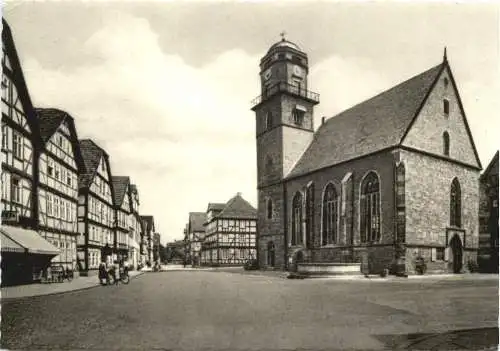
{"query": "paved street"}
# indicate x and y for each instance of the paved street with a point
(209, 310)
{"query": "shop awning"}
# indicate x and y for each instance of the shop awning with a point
(15, 239)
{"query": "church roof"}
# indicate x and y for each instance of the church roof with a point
(238, 207)
(375, 124)
(120, 184)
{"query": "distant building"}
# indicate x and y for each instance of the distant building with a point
(230, 233)
(488, 218)
(147, 239)
(156, 247)
(59, 164)
(96, 211)
(136, 229)
(195, 236)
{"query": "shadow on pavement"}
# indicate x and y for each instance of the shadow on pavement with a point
(470, 339)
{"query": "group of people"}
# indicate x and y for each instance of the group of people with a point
(112, 270)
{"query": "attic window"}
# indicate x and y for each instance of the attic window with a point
(60, 141)
(446, 107)
(445, 80)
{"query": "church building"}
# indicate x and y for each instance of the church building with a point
(395, 177)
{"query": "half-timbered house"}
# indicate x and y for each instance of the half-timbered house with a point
(96, 214)
(136, 228)
(488, 218)
(59, 163)
(24, 251)
(122, 213)
(230, 233)
(195, 235)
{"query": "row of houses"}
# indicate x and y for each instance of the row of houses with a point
(225, 234)
(61, 203)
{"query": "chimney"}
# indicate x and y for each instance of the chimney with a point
(323, 120)
(238, 194)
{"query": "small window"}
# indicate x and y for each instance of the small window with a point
(440, 254)
(17, 146)
(298, 116)
(50, 167)
(446, 144)
(5, 138)
(15, 190)
(446, 107)
(269, 209)
(445, 81)
(269, 120)
(60, 140)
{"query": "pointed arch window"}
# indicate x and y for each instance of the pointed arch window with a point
(297, 219)
(330, 215)
(269, 208)
(370, 208)
(446, 144)
(309, 214)
(455, 204)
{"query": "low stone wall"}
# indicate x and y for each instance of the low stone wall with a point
(326, 269)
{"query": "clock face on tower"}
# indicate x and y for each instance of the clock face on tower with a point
(297, 70)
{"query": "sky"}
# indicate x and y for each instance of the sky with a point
(165, 87)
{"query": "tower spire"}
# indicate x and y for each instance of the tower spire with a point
(445, 57)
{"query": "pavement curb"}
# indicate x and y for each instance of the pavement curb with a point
(20, 298)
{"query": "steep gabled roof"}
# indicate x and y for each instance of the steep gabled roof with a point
(373, 125)
(91, 154)
(492, 167)
(49, 119)
(120, 184)
(196, 220)
(19, 81)
(212, 206)
(238, 207)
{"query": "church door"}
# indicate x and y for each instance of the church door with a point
(270, 254)
(457, 252)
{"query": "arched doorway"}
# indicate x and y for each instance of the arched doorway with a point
(457, 252)
(270, 254)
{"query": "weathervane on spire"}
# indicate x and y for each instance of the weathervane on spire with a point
(282, 34)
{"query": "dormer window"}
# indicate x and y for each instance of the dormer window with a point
(446, 107)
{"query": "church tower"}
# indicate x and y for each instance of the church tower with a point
(284, 129)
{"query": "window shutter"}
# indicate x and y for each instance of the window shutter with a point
(433, 254)
(446, 253)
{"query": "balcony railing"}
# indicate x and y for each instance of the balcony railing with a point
(286, 87)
